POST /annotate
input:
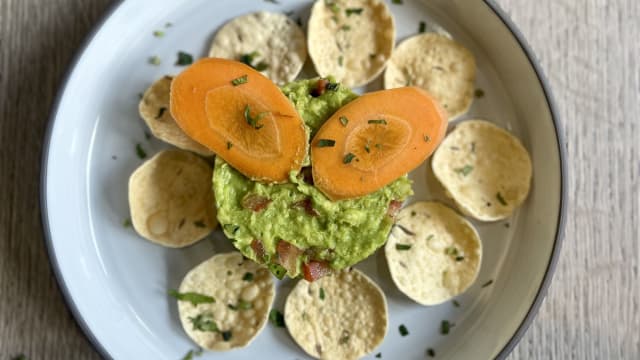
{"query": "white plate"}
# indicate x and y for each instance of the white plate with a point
(115, 282)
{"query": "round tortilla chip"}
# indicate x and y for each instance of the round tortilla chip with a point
(154, 110)
(241, 306)
(484, 169)
(439, 65)
(351, 40)
(340, 316)
(433, 253)
(271, 39)
(171, 199)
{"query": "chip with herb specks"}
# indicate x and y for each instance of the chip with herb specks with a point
(485, 169)
(240, 309)
(340, 316)
(444, 255)
(154, 110)
(269, 42)
(171, 199)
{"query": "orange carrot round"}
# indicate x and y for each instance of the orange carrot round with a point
(374, 140)
(242, 116)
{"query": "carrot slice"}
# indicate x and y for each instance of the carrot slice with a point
(242, 116)
(375, 139)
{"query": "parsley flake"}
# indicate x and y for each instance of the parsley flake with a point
(194, 298)
(184, 58)
(348, 158)
(445, 327)
(397, 2)
(344, 121)
(241, 80)
(465, 170)
(403, 247)
(253, 121)
(455, 303)
(276, 318)
(403, 330)
(423, 27)
(126, 223)
(321, 294)
(501, 199)
(431, 352)
(204, 322)
(353, 11)
(487, 283)
(140, 151)
(326, 143)
(247, 276)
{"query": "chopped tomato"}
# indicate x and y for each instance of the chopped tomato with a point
(314, 270)
(307, 206)
(394, 208)
(320, 88)
(258, 249)
(255, 202)
(288, 256)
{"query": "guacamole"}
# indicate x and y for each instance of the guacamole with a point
(261, 218)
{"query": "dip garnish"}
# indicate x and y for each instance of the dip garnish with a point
(348, 158)
(184, 58)
(140, 151)
(378, 121)
(501, 199)
(326, 143)
(403, 247)
(465, 170)
(192, 297)
(352, 11)
(403, 330)
(344, 121)
(241, 80)
(204, 322)
(247, 276)
(253, 121)
(276, 318)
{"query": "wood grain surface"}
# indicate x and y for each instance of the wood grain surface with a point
(590, 52)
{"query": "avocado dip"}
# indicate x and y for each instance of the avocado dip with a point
(289, 226)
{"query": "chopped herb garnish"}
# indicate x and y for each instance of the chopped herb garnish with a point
(451, 250)
(192, 297)
(344, 121)
(334, 8)
(378, 355)
(321, 294)
(479, 93)
(345, 27)
(232, 307)
(244, 305)
(378, 121)
(455, 303)
(276, 318)
(353, 11)
(423, 27)
(126, 223)
(226, 335)
(184, 58)
(487, 283)
(247, 276)
(326, 143)
(261, 66)
(426, 138)
(253, 121)
(241, 80)
(379, 146)
(366, 146)
(199, 223)
(473, 147)
(413, 213)
(168, 25)
(445, 327)
(247, 59)
(506, 225)
(158, 33)
(501, 199)
(403, 247)
(459, 258)
(430, 237)
(431, 352)
(340, 60)
(181, 223)
(348, 158)
(229, 145)
(154, 60)
(405, 230)
(231, 228)
(140, 151)
(397, 2)
(229, 272)
(465, 170)
(204, 322)
(345, 337)
(161, 112)
(403, 330)
(332, 86)
(188, 356)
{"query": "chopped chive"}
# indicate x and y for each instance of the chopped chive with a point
(199, 223)
(140, 151)
(126, 223)
(232, 307)
(340, 60)
(231, 228)
(455, 303)
(345, 337)
(397, 2)
(348, 158)
(321, 294)
(192, 297)
(326, 143)
(403, 330)
(378, 355)
(158, 33)
(487, 283)
(353, 11)
(248, 276)
(459, 258)
(445, 327)
(430, 237)
(479, 93)
(403, 247)
(465, 170)
(261, 66)
(473, 147)
(451, 250)
(204, 322)
(248, 58)
(241, 80)
(431, 352)
(378, 121)
(244, 305)
(426, 138)
(344, 121)
(332, 86)
(345, 28)
(253, 121)
(501, 199)
(423, 27)
(378, 146)
(161, 112)
(413, 213)
(226, 335)
(184, 58)
(276, 318)
(154, 60)
(366, 147)
(229, 145)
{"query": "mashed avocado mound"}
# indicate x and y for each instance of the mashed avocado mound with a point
(285, 226)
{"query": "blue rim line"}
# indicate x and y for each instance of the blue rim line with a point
(546, 281)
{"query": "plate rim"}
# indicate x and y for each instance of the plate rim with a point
(551, 104)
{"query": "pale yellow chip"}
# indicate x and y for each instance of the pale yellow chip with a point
(154, 110)
(351, 40)
(171, 199)
(272, 39)
(439, 65)
(339, 316)
(241, 306)
(484, 169)
(433, 253)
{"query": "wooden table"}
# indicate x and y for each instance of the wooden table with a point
(590, 50)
